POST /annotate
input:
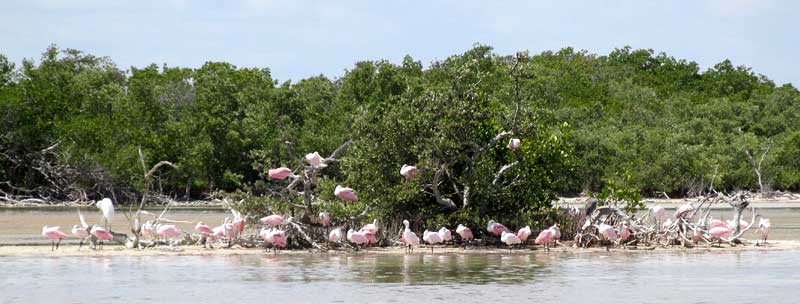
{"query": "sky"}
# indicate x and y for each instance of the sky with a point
(302, 38)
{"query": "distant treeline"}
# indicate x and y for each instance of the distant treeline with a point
(74, 123)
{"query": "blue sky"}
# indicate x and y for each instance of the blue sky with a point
(300, 38)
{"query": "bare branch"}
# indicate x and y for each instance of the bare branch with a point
(502, 170)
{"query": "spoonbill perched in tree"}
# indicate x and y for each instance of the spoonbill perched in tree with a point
(410, 238)
(54, 235)
(346, 194)
(659, 215)
(432, 238)
(716, 223)
(464, 232)
(763, 229)
(683, 211)
(107, 208)
(496, 228)
(324, 219)
(524, 233)
(409, 172)
(624, 233)
(315, 160)
(272, 220)
(514, 144)
(279, 173)
(509, 239)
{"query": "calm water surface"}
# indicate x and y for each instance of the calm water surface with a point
(745, 277)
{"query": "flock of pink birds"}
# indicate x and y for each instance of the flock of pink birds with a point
(232, 229)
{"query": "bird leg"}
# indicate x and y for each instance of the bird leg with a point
(80, 245)
(52, 245)
(58, 243)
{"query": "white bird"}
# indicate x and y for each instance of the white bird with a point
(659, 213)
(431, 237)
(445, 234)
(335, 235)
(513, 144)
(315, 160)
(510, 239)
(524, 233)
(410, 238)
(107, 207)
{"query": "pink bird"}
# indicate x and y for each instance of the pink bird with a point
(279, 238)
(325, 219)
(54, 235)
(101, 234)
(544, 238)
(624, 233)
(431, 237)
(203, 229)
(555, 234)
(370, 236)
(524, 233)
(357, 238)
(659, 213)
(410, 239)
(717, 223)
(409, 172)
(514, 144)
(696, 235)
(218, 232)
(496, 228)
(608, 233)
(238, 224)
(346, 194)
(719, 232)
(279, 173)
(372, 227)
(168, 231)
(683, 211)
(335, 235)
(445, 234)
(315, 160)
(464, 232)
(272, 220)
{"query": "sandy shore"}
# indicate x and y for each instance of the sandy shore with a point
(69, 250)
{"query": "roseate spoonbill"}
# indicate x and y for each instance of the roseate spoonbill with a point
(203, 229)
(357, 238)
(524, 233)
(509, 239)
(325, 219)
(80, 233)
(107, 208)
(279, 173)
(716, 223)
(370, 236)
(410, 238)
(168, 231)
(54, 235)
(555, 234)
(371, 227)
(464, 232)
(608, 233)
(445, 234)
(683, 211)
(696, 234)
(496, 228)
(315, 160)
(101, 234)
(432, 238)
(718, 232)
(346, 194)
(732, 224)
(335, 236)
(624, 233)
(278, 239)
(409, 172)
(763, 229)
(513, 144)
(218, 232)
(667, 224)
(659, 215)
(272, 220)
(544, 238)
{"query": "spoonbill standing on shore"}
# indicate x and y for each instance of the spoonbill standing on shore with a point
(608, 233)
(335, 236)
(107, 207)
(315, 160)
(346, 194)
(509, 239)
(544, 238)
(409, 172)
(54, 235)
(101, 234)
(410, 238)
(168, 232)
(432, 238)
(357, 237)
(279, 173)
(717, 233)
(763, 229)
(81, 232)
(205, 231)
(496, 228)
(524, 233)
(464, 232)
(445, 234)
(555, 234)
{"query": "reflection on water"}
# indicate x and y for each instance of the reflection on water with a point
(689, 277)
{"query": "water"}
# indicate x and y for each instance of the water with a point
(722, 277)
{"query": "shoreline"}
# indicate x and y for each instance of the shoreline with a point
(27, 250)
